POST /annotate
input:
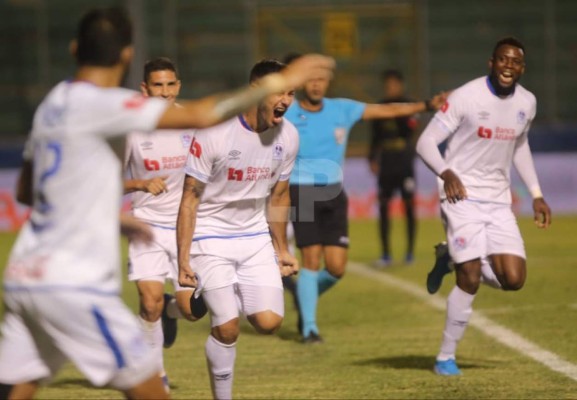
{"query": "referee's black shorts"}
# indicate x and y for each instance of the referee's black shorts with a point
(319, 215)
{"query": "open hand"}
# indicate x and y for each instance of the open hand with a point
(454, 188)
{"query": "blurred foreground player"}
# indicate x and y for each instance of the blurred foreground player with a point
(62, 282)
(486, 122)
(232, 223)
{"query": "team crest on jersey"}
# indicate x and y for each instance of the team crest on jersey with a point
(195, 149)
(186, 138)
(277, 151)
(340, 134)
(521, 117)
(460, 243)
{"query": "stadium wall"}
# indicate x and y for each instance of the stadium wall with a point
(557, 173)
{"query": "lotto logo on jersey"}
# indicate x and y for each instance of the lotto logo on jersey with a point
(195, 148)
(151, 165)
(484, 133)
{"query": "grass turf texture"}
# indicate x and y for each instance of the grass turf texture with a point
(381, 342)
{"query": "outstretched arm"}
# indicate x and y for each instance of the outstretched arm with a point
(185, 224)
(211, 110)
(278, 208)
(394, 110)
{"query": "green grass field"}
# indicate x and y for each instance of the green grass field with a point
(381, 341)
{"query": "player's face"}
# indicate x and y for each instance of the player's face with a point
(161, 84)
(507, 66)
(316, 89)
(273, 108)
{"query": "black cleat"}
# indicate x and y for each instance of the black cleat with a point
(169, 325)
(441, 268)
(197, 307)
(313, 338)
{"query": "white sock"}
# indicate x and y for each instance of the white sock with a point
(220, 358)
(459, 310)
(172, 310)
(155, 339)
(488, 276)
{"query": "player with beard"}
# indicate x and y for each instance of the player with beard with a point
(231, 228)
(486, 122)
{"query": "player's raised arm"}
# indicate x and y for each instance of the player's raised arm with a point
(214, 109)
(185, 224)
(394, 110)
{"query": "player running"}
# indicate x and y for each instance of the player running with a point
(486, 122)
(235, 201)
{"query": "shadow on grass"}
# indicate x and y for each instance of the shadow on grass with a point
(81, 382)
(419, 362)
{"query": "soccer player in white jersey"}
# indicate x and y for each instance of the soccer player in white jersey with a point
(231, 228)
(62, 281)
(155, 163)
(486, 122)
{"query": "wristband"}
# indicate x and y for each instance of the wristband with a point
(536, 192)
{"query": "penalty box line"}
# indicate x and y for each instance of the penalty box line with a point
(481, 322)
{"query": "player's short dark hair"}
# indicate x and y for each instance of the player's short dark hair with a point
(392, 73)
(265, 67)
(101, 36)
(290, 57)
(159, 64)
(509, 40)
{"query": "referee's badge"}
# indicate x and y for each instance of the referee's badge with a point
(340, 134)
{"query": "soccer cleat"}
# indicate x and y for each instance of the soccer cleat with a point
(383, 262)
(165, 383)
(447, 368)
(441, 268)
(197, 307)
(169, 326)
(409, 258)
(313, 338)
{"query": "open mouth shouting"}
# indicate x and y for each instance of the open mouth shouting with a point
(278, 113)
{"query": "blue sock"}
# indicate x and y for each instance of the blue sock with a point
(325, 280)
(308, 294)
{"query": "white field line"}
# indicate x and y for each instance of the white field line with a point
(478, 320)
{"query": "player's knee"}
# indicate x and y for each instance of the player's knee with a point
(469, 283)
(151, 308)
(266, 322)
(227, 333)
(512, 283)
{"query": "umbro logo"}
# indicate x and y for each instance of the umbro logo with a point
(484, 115)
(146, 145)
(234, 155)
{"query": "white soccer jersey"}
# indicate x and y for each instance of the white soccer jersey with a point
(162, 153)
(483, 131)
(240, 167)
(72, 236)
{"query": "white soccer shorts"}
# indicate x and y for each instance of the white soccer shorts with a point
(477, 229)
(245, 269)
(98, 333)
(156, 261)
